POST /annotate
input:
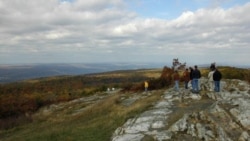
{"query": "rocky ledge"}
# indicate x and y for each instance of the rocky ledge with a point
(182, 115)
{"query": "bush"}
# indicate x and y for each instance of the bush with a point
(234, 73)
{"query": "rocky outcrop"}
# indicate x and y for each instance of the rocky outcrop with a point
(182, 115)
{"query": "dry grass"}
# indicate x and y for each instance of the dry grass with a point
(51, 78)
(96, 122)
(153, 73)
(110, 75)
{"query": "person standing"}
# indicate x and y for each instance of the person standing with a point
(217, 77)
(191, 77)
(210, 79)
(196, 76)
(186, 77)
(176, 80)
(146, 86)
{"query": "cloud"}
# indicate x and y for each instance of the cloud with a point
(105, 30)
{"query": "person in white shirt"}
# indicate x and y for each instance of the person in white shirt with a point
(210, 80)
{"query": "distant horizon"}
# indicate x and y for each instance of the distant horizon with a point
(19, 72)
(169, 64)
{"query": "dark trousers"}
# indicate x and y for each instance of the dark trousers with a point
(186, 84)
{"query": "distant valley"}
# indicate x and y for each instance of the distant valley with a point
(14, 73)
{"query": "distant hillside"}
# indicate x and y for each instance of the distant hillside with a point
(81, 107)
(13, 73)
(20, 98)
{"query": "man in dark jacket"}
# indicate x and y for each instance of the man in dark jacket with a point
(217, 77)
(191, 77)
(196, 75)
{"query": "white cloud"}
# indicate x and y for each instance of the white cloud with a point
(92, 29)
(57, 35)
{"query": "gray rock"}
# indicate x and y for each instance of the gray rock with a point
(226, 119)
(244, 136)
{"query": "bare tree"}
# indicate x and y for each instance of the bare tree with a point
(178, 65)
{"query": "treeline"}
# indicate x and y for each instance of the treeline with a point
(232, 73)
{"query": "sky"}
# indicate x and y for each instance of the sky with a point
(96, 31)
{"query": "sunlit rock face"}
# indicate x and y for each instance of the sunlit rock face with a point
(182, 115)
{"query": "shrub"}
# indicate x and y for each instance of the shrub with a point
(164, 80)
